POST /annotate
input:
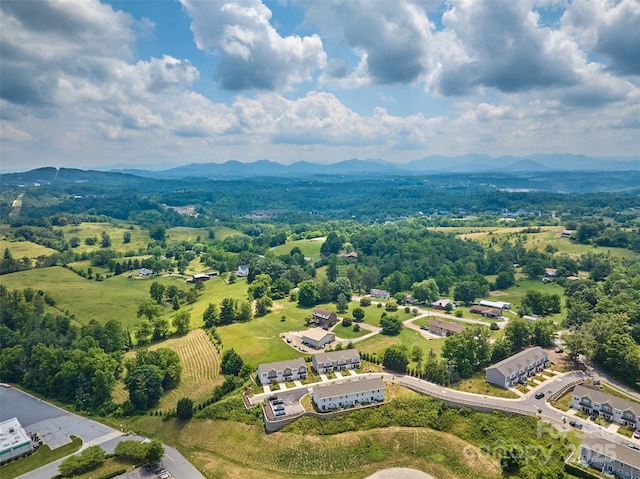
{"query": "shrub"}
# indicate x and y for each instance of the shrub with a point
(364, 301)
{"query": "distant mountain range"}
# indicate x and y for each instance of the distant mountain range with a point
(436, 164)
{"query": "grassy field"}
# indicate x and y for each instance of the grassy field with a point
(407, 338)
(224, 449)
(20, 249)
(310, 247)
(44, 456)
(200, 369)
(139, 237)
(348, 332)
(478, 385)
(549, 235)
(183, 233)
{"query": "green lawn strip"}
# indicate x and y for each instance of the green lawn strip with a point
(477, 384)
(563, 402)
(111, 466)
(43, 456)
(625, 431)
(616, 392)
(407, 337)
(347, 332)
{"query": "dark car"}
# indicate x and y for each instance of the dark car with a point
(426, 328)
(273, 397)
(277, 401)
(539, 395)
(279, 407)
(559, 350)
(575, 424)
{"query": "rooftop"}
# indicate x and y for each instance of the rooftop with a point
(596, 395)
(612, 450)
(453, 327)
(316, 334)
(349, 387)
(12, 435)
(519, 360)
(347, 354)
(281, 365)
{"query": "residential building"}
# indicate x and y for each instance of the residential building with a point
(335, 361)
(317, 338)
(145, 272)
(281, 371)
(518, 368)
(610, 458)
(243, 271)
(349, 393)
(380, 293)
(486, 311)
(592, 400)
(198, 278)
(442, 304)
(324, 318)
(495, 304)
(566, 234)
(444, 328)
(14, 440)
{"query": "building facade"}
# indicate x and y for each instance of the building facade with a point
(281, 371)
(348, 394)
(335, 361)
(444, 328)
(324, 318)
(317, 338)
(14, 440)
(518, 368)
(592, 400)
(380, 293)
(610, 458)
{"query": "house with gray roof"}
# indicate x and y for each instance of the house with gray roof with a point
(317, 338)
(444, 328)
(591, 400)
(518, 368)
(282, 371)
(349, 393)
(609, 458)
(335, 361)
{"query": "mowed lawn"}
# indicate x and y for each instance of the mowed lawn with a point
(139, 237)
(200, 369)
(185, 233)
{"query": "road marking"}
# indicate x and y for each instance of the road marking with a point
(169, 457)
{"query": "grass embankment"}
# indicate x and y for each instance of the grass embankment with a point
(477, 384)
(310, 247)
(21, 249)
(43, 456)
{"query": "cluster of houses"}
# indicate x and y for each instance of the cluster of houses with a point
(595, 402)
(610, 458)
(357, 391)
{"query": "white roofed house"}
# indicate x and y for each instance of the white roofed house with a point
(243, 271)
(335, 361)
(281, 371)
(495, 304)
(349, 393)
(14, 440)
(317, 338)
(518, 368)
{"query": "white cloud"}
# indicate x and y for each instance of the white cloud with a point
(252, 55)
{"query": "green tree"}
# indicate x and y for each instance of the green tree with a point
(145, 387)
(543, 332)
(192, 296)
(425, 291)
(106, 240)
(466, 291)
(395, 359)
(184, 408)
(156, 290)
(143, 332)
(390, 326)
(518, 332)
(332, 267)
(175, 303)
(342, 285)
(260, 286)
(231, 363)
(245, 311)
(308, 294)
(155, 451)
(210, 316)
(126, 238)
(228, 308)
(181, 322)
(358, 314)
(160, 328)
(158, 232)
(263, 306)
(417, 353)
(343, 303)
(88, 459)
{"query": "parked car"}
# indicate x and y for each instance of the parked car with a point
(575, 424)
(559, 350)
(280, 413)
(636, 435)
(426, 328)
(633, 446)
(596, 382)
(278, 407)
(273, 397)
(539, 395)
(277, 401)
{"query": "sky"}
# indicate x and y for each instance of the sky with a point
(156, 84)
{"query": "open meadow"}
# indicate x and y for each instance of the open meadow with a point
(21, 249)
(310, 247)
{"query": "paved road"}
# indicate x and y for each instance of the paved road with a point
(55, 425)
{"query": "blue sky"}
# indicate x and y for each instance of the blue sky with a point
(161, 83)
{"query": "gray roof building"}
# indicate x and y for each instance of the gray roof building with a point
(518, 367)
(349, 387)
(601, 397)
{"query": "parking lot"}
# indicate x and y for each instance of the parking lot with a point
(284, 404)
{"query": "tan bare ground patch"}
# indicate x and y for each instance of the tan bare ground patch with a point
(497, 293)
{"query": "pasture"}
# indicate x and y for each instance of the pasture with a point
(184, 233)
(310, 247)
(139, 237)
(200, 369)
(22, 249)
